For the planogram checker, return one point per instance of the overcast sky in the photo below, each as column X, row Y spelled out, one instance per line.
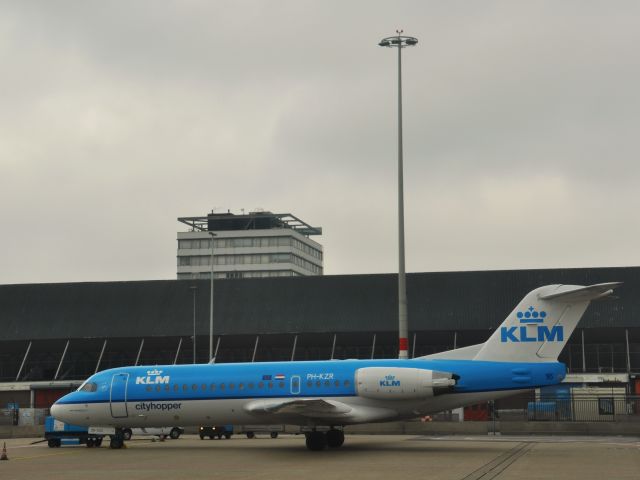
column 521, row 131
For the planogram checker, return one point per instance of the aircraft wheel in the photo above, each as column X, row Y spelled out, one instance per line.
column 54, row 442
column 116, row 442
column 98, row 442
column 316, row 441
column 90, row 443
column 126, row 434
column 335, row 438
column 250, row 434
column 274, row 434
column 175, row 433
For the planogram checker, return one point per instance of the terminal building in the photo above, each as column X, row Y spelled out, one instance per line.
column 53, row 336
column 253, row 245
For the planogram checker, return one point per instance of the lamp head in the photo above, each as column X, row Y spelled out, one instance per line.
column 399, row 41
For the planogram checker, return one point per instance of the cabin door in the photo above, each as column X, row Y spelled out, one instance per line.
column 118, row 395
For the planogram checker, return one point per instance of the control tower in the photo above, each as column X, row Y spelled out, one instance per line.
column 257, row 244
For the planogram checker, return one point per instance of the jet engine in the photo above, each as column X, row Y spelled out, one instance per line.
column 393, row 383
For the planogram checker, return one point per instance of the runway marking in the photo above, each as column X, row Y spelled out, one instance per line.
column 632, row 441
column 499, row 464
column 43, row 455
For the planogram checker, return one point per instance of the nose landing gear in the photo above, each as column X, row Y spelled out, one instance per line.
column 317, row 441
column 117, row 440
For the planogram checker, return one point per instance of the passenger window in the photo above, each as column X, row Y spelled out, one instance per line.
column 213, row 387
column 318, row 383
column 281, row 384
column 158, row 388
column 346, row 383
column 270, row 384
column 167, row 388
column 309, row 384
column 250, row 385
column 222, row 386
column 261, row 385
column 184, row 387
column 337, row 383
column 240, row 386
column 194, row 387
column 231, row 385
column 176, row 387
column 327, row 383
column 149, row 388
column 203, row 386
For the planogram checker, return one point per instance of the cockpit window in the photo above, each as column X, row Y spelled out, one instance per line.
column 88, row 387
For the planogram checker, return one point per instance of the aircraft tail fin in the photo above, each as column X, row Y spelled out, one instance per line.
column 541, row 324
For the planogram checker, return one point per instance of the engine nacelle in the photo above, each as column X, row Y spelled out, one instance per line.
column 389, row 383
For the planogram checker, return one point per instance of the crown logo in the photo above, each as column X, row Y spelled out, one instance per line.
column 154, row 372
column 531, row 315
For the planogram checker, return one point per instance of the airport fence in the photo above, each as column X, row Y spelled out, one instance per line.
column 8, row 416
column 23, row 416
column 574, row 409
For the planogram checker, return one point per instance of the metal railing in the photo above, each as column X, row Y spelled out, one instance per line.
column 612, row 408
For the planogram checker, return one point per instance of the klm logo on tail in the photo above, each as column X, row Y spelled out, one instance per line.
column 526, row 333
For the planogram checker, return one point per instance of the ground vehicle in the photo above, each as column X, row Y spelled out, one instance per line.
column 252, row 430
column 57, row 432
column 163, row 432
column 216, row 431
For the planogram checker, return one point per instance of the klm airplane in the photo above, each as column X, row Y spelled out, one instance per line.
column 327, row 395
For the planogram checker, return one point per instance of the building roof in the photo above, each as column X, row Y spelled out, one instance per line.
column 342, row 303
column 250, row 221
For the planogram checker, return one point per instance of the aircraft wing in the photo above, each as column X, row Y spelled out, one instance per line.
column 325, row 409
column 306, row 407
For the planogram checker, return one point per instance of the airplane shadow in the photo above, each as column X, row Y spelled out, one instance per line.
column 352, row 446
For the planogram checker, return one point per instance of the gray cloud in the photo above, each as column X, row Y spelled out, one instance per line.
column 520, row 131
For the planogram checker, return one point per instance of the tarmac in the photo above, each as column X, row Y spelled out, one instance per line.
column 361, row 457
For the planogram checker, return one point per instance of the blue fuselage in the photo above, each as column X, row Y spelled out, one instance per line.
column 295, row 379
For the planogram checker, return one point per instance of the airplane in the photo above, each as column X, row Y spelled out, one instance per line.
column 521, row 354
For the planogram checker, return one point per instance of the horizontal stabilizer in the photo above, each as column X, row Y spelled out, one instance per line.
column 592, row 292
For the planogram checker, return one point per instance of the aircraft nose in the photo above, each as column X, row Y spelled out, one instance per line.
column 60, row 411
column 56, row 410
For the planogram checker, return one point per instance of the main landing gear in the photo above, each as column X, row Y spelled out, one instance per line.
column 316, row 440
